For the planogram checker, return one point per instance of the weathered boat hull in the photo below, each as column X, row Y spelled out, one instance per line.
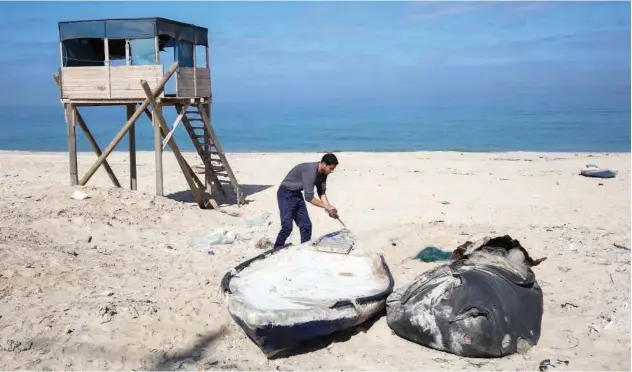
column 321, row 293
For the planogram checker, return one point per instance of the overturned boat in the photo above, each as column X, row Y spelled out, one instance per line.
column 295, row 293
column 485, row 303
column 591, row 170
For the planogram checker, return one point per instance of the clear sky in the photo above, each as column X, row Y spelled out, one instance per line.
column 313, row 51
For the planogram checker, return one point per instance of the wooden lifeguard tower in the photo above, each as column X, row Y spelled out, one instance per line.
column 116, row 62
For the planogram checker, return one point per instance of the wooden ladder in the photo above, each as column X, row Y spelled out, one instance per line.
column 216, row 168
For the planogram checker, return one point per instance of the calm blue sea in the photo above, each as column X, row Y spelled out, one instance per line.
column 529, row 123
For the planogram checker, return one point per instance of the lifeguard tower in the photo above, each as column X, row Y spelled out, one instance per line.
column 116, row 62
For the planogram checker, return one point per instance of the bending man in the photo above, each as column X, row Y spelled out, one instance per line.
column 304, row 177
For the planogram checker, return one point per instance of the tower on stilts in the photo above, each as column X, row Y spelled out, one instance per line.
column 116, row 62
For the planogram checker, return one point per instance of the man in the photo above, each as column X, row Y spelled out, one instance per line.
column 304, row 177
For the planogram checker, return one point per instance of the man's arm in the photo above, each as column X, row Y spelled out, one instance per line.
column 324, row 199
column 308, row 189
column 333, row 212
column 319, row 203
column 321, row 187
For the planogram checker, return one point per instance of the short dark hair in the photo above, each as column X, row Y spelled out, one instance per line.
column 329, row 159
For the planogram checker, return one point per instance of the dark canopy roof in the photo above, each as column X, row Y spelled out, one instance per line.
column 132, row 28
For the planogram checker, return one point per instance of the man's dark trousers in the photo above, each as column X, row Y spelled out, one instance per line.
column 292, row 208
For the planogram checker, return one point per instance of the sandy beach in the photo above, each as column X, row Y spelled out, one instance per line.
column 122, row 280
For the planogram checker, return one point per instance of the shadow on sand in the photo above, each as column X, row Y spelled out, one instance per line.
column 191, row 355
column 186, row 196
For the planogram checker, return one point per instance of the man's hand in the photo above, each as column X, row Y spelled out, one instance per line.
column 324, row 203
column 332, row 211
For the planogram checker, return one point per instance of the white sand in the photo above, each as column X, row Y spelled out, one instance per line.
column 115, row 282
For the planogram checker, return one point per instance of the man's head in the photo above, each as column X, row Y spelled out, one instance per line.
column 328, row 163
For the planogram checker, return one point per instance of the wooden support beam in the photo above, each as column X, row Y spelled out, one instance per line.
column 157, row 90
column 72, row 143
column 157, row 113
column 106, row 53
column 90, row 138
column 128, row 59
column 161, row 124
column 157, row 49
column 133, row 179
column 61, row 53
column 207, row 148
column 194, row 70
column 174, row 126
column 189, row 169
column 95, row 147
column 148, row 114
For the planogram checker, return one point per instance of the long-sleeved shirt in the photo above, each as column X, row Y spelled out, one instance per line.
column 305, row 177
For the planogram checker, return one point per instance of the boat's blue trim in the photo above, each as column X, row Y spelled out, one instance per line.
column 273, row 338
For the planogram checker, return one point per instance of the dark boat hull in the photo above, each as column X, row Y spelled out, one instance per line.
column 276, row 330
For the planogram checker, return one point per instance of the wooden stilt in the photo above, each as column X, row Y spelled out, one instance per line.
column 207, row 148
column 207, row 139
column 156, row 113
column 133, row 181
column 184, row 164
column 90, row 138
column 159, row 122
column 72, row 143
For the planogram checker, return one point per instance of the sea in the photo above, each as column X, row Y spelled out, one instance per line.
column 546, row 123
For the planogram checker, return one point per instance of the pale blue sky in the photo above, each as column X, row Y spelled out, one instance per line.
column 300, row 52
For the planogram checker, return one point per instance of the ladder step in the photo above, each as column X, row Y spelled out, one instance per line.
column 219, row 167
column 208, row 157
column 215, row 164
column 195, row 119
column 216, row 170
